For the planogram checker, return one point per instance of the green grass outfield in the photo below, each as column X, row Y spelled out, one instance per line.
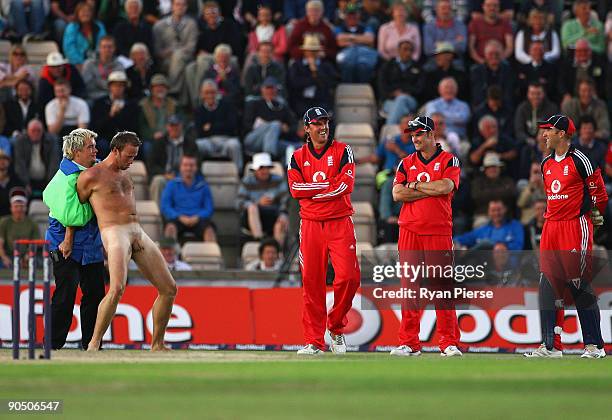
column 239, row 385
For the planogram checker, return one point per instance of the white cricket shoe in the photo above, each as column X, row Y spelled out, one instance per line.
column 338, row 343
column 451, row 351
column 404, row 351
column 310, row 350
column 592, row 352
column 542, row 351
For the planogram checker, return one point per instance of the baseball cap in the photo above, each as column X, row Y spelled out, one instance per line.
column 18, row 195
column 174, row 119
column 351, row 8
column 315, row 114
column 560, row 122
column 444, row 47
column 420, row 124
column 261, row 160
column 117, row 76
column 270, row 81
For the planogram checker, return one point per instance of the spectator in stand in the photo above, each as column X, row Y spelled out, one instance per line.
column 83, row 35
column 262, row 200
column 442, row 66
column 96, row 70
column 537, row 30
column 20, row 109
column 311, row 80
column 65, row 112
column 260, row 67
column 294, row 10
column 449, row 140
column 187, row 204
column 495, row 106
column 492, row 26
column 498, row 229
column 532, row 153
column 391, row 150
column 533, row 229
column 250, row 11
column 169, row 250
column 269, row 257
column 530, row 193
column 582, row 66
column 445, row 28
column 216, row 123
column 26, row 17
column 266, row 31
column 132, row 29
column 535, row 108
column 57, row 67
column 459, row 8
column 164, row 159
column 456, row 112
column 587, row 143
column 62, row 13
column 392, row 33
column 8, row 182
column 491, row 185
column 16, row 226
column 493, row 71
column 537, row 71
column 584, row 26
column 225, row 75
column 268, row 121
column 400, row 82
column 587, row 103
column 15, row 70
column 490, row 139
column 155, row 109
column 36, row 158
column 175, row 38
column 550, row 8
column 215, row 30
column 356, row 59
column 140, row 73
column 312, row 25
column 373, row 13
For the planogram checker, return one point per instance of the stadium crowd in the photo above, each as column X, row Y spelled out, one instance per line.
column 204, row 81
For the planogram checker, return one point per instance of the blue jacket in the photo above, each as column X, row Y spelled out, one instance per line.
column 75, row 45
column 510, row 233
column 179, row 199
column 87, row 244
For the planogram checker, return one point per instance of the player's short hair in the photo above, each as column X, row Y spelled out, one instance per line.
column 75, row 141
column 123, row 138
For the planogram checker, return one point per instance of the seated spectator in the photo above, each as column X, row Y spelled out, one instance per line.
column 140, row 73
column 586, row 142
column 215, row 30
column 20, row 109
column 538, row 71
column 584, row 26
column 491, row 27
column 225, row 75
column 311, row 79
column 268, row 121
column 216, row 124
column 155, row 109
column 442, row 66
column 261, row 66
column 532, row 153
column 537, row 30
column 400, row 84
column 269, row 257
column 505, row 9
column 164, row 159
column 498, row 229
column 533, row 229
column 312, row 25
column 262, row 199
column 392, row 33
column 62, row 13
column 293, row 10
column 15, row 70
column 582, row 66
column 456, row 112
column 444, row 28
column 532, row 192
column 389, row 211
column 113, row 112
column 373, row 13
column 58, row 68
column 132, row 29
column 175, row 38
column 96, row 70
column 494, row 106
column 492, row 185
column 169, row 250
column 356, row 59
column 449, row 140
column 250, row 11
column 26, row 17
column 15, row 226
column 266, row 31
column 490, row 139
column 82, row 36
column 187, row 204
column 8, row 182
column 587, row 103
column 493, row 71
column 65, row 112
column 390, row 151
column 548, row 7
column 36, row 158
column 535, row 108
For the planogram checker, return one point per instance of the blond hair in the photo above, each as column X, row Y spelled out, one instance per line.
column 75, row 141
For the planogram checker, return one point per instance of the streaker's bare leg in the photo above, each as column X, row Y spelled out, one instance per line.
column 117, row 244
column 153, row 266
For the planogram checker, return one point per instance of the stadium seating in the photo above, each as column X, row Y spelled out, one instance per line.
column 138, row 172
column 150, row 218
column 388, row 131
column 249, row 252
column 365, row 222
column 222, row 178
column 355, row 103
column 37, row 51
column 5, row 47
column 359, row 136
column 202, row 255
column 39, row 213
column 362, row 247
column 365, row 184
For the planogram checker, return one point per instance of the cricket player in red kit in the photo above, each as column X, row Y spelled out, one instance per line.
column 321, row 176
column 576, row 197
column 425, row 182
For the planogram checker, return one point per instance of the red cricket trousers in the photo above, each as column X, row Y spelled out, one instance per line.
column 411, row 248
column 320, row 240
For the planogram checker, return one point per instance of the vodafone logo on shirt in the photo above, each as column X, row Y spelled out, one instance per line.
column 423, row 177
column 318, row 176
column 555, row 187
